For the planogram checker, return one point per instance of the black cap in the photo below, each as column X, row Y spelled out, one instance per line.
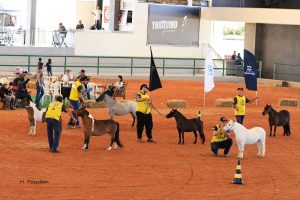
column 83, row 71
column 240, row 88
column 223, row 119
column 143, row 85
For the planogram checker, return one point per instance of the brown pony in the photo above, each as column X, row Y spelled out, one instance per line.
column 98, row 128
column 34, row 114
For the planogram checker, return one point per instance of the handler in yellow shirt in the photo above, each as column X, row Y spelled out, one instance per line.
column 76, row 98
column 220, row 139
column 53, row 120
column 143, row 114
column 239, row 104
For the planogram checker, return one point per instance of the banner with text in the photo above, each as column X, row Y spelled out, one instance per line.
column 173, row 25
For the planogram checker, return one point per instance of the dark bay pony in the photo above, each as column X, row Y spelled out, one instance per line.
column 34, row 114
column 281, row 118
column 92, row 127
column 187, row 125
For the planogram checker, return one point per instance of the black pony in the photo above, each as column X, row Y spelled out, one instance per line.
column 281, row 118
column 187, row 125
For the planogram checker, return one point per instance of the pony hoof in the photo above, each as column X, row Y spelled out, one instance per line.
column 109, row 148
column 84, row 147
column 115, row 146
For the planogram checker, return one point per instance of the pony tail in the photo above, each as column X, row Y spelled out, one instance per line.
column 117, row 136
column 201, row 132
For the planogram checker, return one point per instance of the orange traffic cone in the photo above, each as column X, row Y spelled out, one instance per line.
column 238, row 174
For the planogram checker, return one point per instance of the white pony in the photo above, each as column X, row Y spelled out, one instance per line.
column 34, row 115
column 118, row 108
column 256, row 135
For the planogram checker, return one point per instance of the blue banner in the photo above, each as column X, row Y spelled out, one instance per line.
column 250, row 72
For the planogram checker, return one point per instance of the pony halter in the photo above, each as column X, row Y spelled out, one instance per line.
column 229, row 128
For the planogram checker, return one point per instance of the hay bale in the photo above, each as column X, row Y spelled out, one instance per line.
column 176, row 103
column 288, row 102
column 223, row 102
column 89, row 104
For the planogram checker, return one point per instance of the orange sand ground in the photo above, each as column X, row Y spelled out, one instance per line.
column 164, row 170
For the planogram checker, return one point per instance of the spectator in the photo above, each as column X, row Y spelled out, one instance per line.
column 233, row 55
column 62, row 28
column 39, row 85
column 85, row 81
column 6, row 97
column 120, row 83
column 40, row 60
column 67, row 77
column 97, row 13
column 80, row 26
column 49, row 67
column 238, row 59
column 93, row 27
column 62, row 31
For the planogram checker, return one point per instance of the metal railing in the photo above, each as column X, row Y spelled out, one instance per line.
column 103, row 64
column 38, row 37
column 99, row 65
column 288, row 72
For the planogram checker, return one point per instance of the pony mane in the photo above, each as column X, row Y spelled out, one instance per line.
column 238, row 124
column 179, row 113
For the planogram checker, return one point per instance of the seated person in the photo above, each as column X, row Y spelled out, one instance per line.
column 85, row 80
column 80, row 26
column 220, row 139
column 67, row 77
column 120, row 83
column 20, row 89
column 7, row 98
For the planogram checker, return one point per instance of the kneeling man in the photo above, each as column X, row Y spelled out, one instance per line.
column 220, row 139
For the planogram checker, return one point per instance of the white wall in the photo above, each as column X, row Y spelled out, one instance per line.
column 83, row 12
column 50, row 13
column 253, row 15
column 134, row 43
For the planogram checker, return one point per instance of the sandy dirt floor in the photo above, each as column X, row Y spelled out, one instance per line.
column 164, row 170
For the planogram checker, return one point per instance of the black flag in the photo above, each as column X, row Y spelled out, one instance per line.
column 250, row 72
column 154, row 82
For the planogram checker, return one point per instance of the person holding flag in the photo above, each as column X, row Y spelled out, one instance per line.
column 250, row 75
column 143, row 114
column 239, row 104
column 144, row 103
